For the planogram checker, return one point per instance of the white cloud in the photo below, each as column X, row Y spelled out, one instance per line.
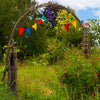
column 97, row 13
column 76, row 4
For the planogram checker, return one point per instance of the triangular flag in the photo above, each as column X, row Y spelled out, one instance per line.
column 49, row 12
column 82, row 21
column 43, row 17
column 21, row 30
column 87, row 24
column 35, row 26
column 28, row 30
column 67, row 26
column 39, row 22
column 74, row 23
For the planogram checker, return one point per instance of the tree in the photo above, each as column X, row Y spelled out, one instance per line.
column 94, row 31
column 10, row 12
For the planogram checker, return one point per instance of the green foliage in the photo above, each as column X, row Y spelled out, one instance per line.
column 6, row 94
column 10, row 13
column 94, row 31
column 74, row 36
column 81, row 74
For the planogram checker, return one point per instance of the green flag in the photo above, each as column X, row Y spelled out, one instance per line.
column 43, row 17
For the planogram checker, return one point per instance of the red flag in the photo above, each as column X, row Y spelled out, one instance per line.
column 39, row 22
column 87, row 24
column 21, row 30
column 67, row 26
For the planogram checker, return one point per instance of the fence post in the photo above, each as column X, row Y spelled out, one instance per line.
column 12, row 70
column 86, row 43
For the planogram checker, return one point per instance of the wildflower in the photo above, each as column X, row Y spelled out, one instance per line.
column 98, row 59
column 80, row 65
column 95, row 95
column 60, row 59
column 98, row 75
column 74, row 95
column 65, row 73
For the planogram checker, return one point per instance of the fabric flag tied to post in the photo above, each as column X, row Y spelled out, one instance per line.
column 39, row 22
column 35, row 26
column 28, row 30
column 43, row 17
column 74, row 23
column 67, row 26
column 49, row 12
column 21, row 30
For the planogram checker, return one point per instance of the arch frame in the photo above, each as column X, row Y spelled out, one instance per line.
column 40, row 6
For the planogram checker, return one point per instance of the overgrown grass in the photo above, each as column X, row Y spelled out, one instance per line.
column 37, row 81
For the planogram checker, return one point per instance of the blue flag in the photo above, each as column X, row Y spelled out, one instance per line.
column 49, row 12
column 82, row 21
column 28, row 30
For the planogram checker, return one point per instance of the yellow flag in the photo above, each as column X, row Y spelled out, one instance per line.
column 35, row 26
column 74, row 23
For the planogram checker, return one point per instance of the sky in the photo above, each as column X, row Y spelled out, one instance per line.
column 84, row 9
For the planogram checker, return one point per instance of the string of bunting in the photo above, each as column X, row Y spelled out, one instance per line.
column 50, row 17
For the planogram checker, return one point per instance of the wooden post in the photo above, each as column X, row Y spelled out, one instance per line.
column 12, row 70
column 86, row 43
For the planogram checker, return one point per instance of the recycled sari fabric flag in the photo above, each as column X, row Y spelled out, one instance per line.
column 67, row 26
column 39, row 22
column 21, row 30
column 49, row 12
column 28, row 30
column 74, row 23
column 35, row 26
column 43, row 17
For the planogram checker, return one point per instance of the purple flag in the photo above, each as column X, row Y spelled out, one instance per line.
column 49, row 12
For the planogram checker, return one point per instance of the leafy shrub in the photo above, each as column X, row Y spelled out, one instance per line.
column 81, row 75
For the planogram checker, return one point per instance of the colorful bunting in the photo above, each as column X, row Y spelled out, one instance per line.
column 21, row 30
column 35, row 26
column 39, row 22
column 49, row 12
column 28, row 30
column 74, row 23
column 87, row 24
column 67, row 26
column 43, row 17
